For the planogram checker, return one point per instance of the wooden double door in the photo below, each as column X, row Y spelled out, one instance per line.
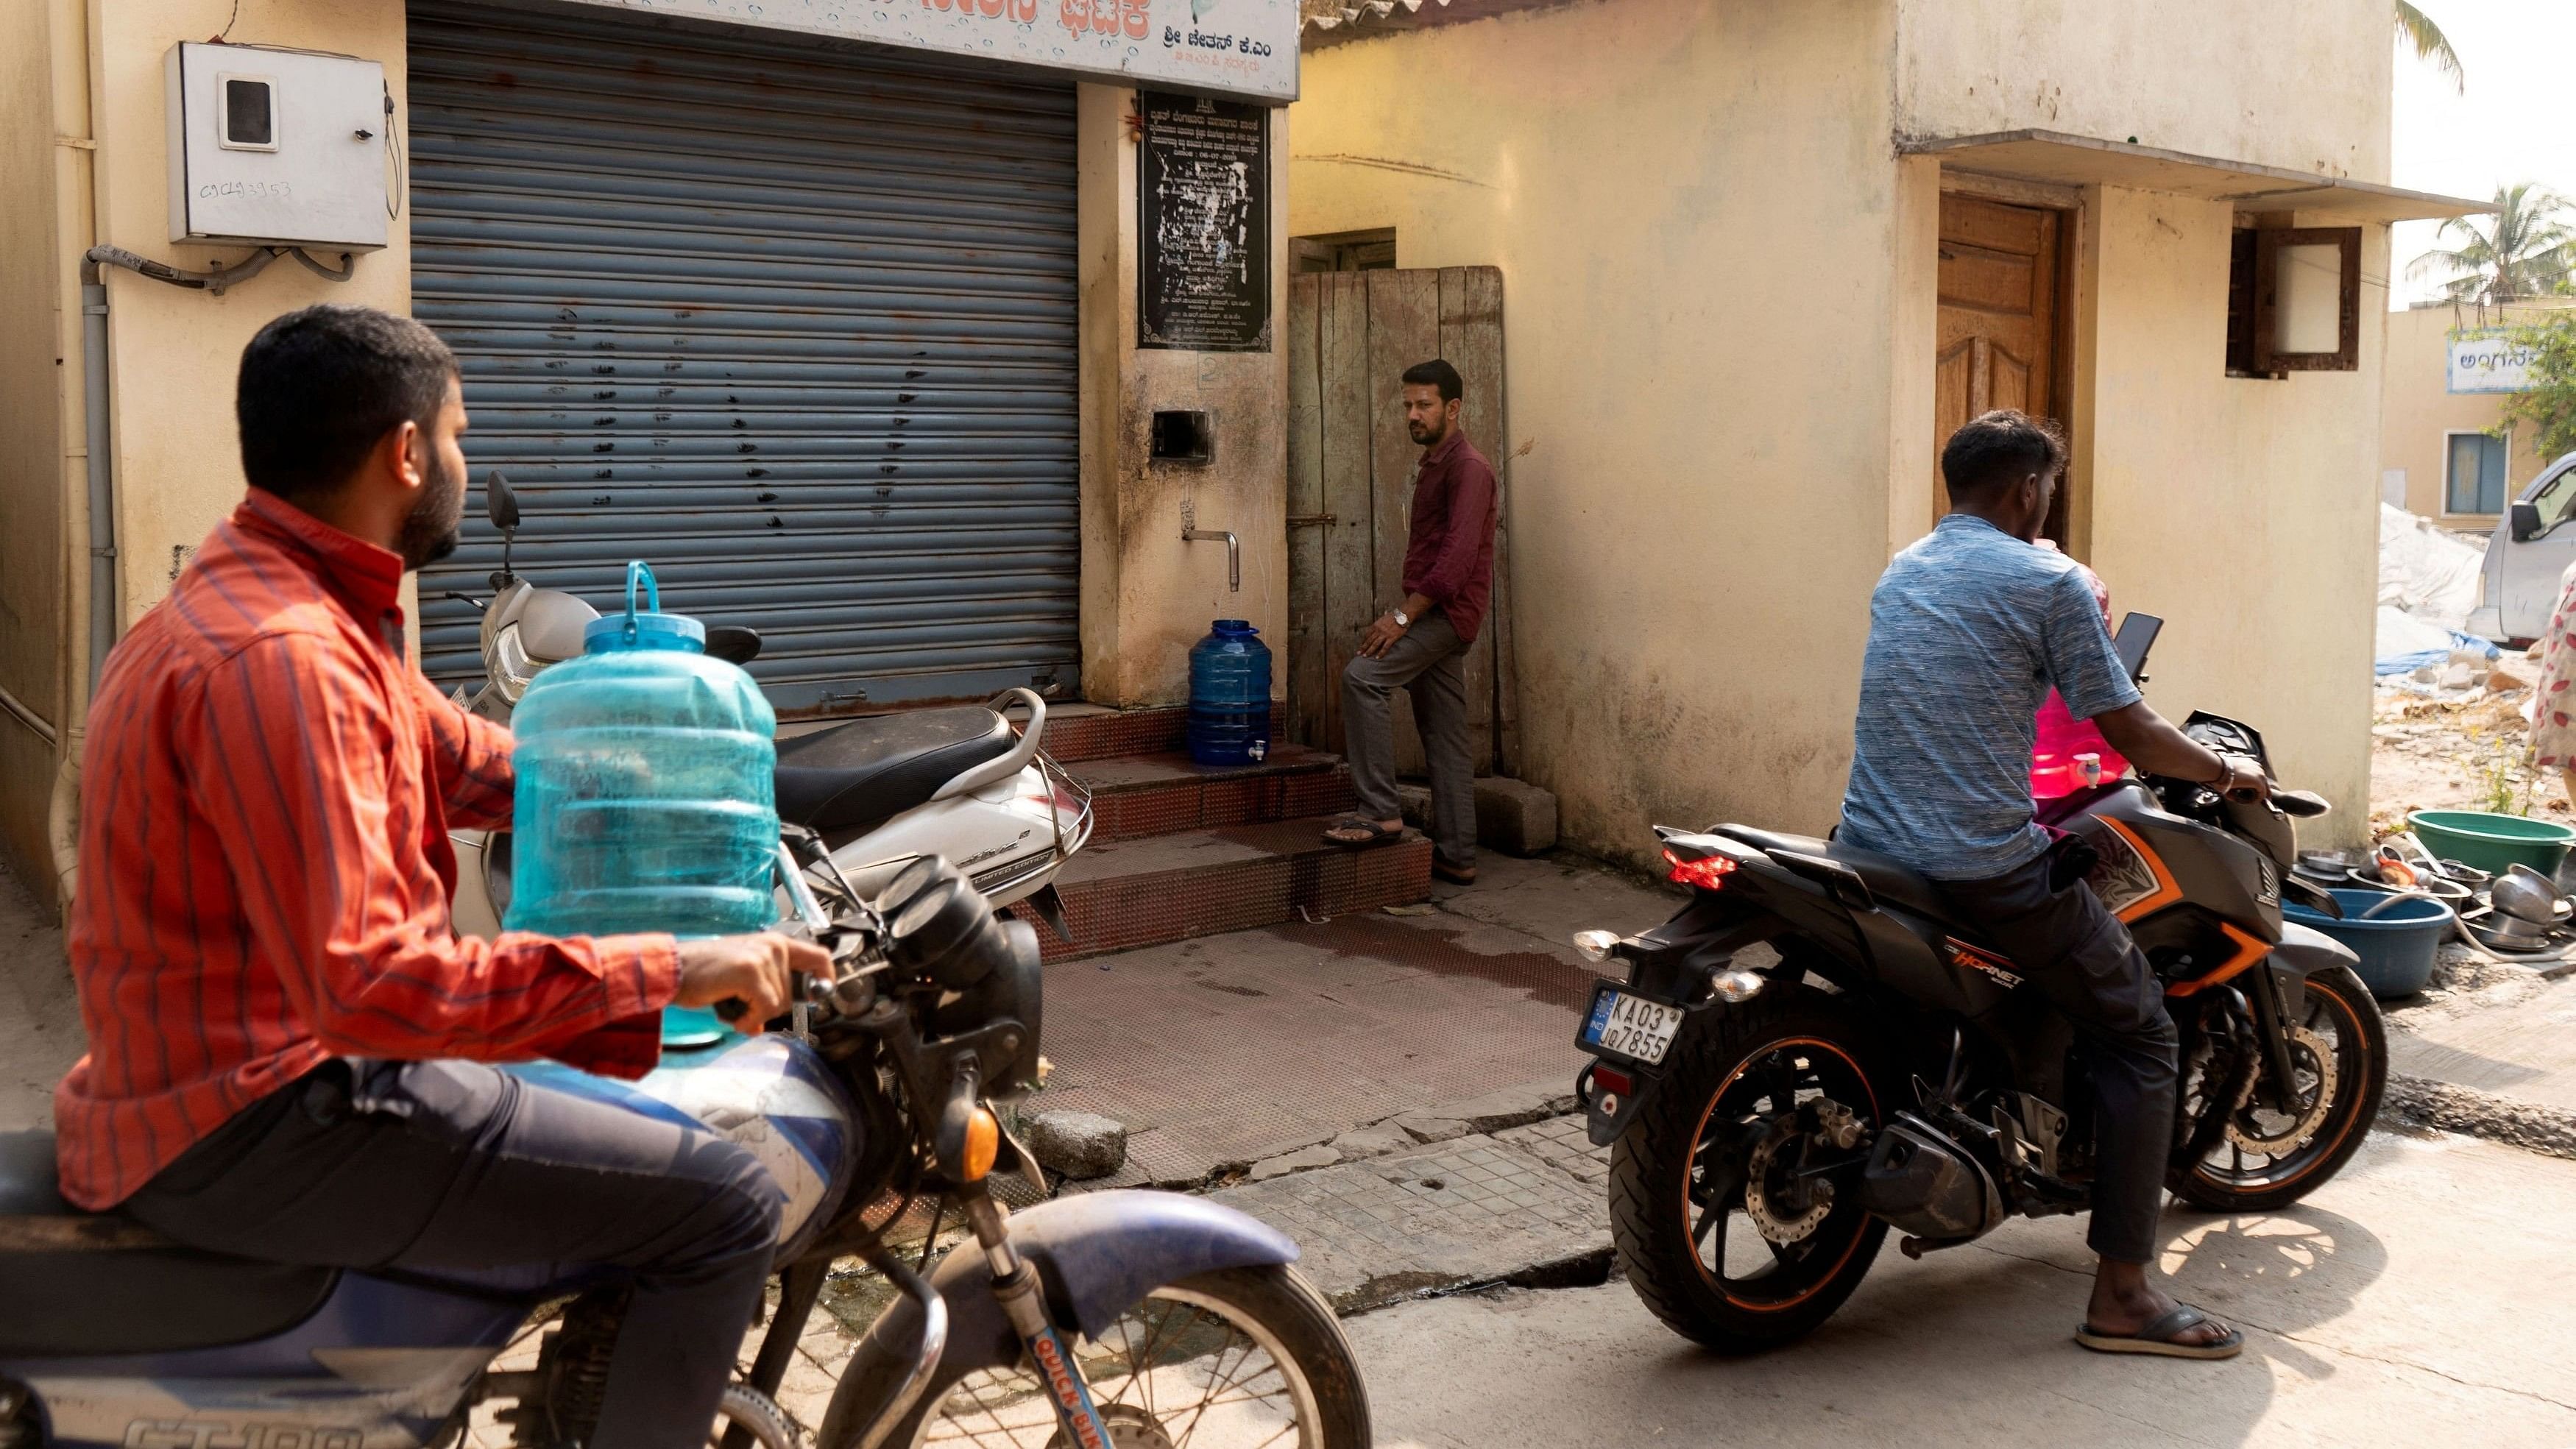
column 2003, row 301
column 1351, row 335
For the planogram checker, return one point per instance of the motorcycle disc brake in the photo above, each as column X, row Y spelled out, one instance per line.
column 2310, row 1055
column 1768, row 1219
column 1129, row 1428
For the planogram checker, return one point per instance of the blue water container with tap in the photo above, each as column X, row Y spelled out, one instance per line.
column 646, row 799
column 1230, row 695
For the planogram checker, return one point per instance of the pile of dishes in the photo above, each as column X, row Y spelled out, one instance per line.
column 2519, row 914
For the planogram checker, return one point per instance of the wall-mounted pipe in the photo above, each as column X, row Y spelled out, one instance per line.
column 1192, row 533
column 102, row 477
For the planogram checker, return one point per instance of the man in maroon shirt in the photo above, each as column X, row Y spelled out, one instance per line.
column 1421, row 645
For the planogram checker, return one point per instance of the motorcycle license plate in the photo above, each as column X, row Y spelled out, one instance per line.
column 1631, row 1026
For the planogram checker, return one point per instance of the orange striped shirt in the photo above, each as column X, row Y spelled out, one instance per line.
column 265, row 869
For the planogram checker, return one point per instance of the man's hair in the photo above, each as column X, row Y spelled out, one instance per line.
column 2003, row 446
column 321, row 387
column 1436, row 373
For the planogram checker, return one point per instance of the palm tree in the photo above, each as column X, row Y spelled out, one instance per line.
column 2417, row 29
column 2525, row 249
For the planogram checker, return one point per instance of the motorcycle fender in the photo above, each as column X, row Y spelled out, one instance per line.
column 2303, row 952
column 1099, row 1254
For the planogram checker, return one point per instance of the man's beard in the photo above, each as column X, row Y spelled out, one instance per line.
column 430, row 532
column 1427, row 433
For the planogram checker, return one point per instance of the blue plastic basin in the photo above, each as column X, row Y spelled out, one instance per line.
column 2396, row 946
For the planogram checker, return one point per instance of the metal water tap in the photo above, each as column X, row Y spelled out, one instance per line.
column 1192, row 533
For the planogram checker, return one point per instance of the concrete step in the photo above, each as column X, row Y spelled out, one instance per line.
column 1121, row 895
column 1155, row 794
column 1090, row 732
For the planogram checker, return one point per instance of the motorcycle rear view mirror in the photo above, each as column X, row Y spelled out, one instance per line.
column 502, row 507
column 2137, row 635
column 733, row 643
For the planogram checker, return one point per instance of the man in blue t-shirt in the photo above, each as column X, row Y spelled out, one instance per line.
column 1968, row 630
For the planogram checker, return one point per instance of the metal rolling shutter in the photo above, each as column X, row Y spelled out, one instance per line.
column 795, row 324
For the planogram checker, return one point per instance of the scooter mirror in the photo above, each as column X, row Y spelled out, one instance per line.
column 499, row 503
column 733, row 643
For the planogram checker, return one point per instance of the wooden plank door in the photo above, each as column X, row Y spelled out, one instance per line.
column 1350, row 482
column 2001, row 276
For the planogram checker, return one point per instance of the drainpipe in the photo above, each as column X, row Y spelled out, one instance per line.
column 102, row 477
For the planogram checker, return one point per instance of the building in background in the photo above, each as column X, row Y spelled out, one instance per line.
column 1756, row 260
column 2445, row 451
column 856, row 321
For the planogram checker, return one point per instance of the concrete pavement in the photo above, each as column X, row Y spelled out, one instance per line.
column 2424, row 1297
column 40, row 1027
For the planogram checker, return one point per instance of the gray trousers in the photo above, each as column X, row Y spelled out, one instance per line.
column 2081, row 956
column 1429, row 663
column 456, row 1168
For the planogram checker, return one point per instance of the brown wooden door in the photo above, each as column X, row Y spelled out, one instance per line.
column 1350, row 481
column 2000, row 307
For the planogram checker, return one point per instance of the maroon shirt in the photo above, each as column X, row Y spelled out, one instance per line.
column 1449, row 553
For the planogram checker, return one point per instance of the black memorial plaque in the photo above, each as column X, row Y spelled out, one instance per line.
column 1203, row 197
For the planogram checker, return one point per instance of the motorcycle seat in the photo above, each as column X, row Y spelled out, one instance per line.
column 97, row 1283
column 1889, row 879
column 856, row 775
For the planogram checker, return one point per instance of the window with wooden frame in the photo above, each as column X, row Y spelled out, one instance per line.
column 1350, row 251
column 2294, row 301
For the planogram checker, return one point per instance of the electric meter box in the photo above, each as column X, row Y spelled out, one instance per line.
column 276, row 147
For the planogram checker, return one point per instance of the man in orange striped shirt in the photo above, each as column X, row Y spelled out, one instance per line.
column 286, row 1034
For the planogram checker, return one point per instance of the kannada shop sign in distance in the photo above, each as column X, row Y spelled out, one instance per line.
column 1233, row 47
column 2489, row 362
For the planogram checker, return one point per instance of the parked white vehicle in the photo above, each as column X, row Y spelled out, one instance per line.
column 959, row 783
column 2533, row 545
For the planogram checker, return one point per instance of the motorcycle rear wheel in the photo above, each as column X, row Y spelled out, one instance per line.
column 1247, row 1356
column 2341, row 1012
column 1679, row 1212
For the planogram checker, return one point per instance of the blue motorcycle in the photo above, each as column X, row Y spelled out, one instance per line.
column 1109, row 1320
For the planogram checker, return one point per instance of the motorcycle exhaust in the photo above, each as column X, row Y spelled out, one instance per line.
column 1928, row 1187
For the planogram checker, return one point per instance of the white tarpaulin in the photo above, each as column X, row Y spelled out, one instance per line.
column 2427, row 571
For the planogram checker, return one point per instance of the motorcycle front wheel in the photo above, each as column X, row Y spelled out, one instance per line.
column 1227, row 1360
column 1735, row 1222
column 2269, row 1157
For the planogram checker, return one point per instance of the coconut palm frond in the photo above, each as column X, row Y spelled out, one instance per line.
column 2417, row 30
column 2526, row 247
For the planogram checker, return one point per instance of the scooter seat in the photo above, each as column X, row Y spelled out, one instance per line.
column 120, row 1292
column 1889, row 879
column 857, row 775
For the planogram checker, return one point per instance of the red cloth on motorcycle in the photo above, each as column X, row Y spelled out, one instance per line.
column 2060, row 736
column 265, row 869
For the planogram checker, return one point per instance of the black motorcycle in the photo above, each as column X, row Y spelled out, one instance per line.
column 1815, row 1049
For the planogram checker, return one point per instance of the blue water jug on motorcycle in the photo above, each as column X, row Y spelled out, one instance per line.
column 645, row 794
column 1106, row 1318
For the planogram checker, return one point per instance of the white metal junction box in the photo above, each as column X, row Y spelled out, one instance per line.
column 276, row 147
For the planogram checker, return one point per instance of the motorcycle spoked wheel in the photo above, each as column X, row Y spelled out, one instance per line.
column 1240, row 1356
column 1679, row 1175
column 2341, row 1016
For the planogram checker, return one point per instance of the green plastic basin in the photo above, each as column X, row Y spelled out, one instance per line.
column 2492, row 843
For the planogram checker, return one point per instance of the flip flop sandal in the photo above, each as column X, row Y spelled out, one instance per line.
column 1377, row 834
column 2159, row 1338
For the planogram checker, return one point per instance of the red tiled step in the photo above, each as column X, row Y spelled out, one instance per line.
column 1125, row 894
column 1134, row 796
column 1087, row 732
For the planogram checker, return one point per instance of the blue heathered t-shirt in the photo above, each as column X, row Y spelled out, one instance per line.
column 1968, row 629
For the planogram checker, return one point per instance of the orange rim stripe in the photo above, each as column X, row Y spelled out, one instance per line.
column 1848, row 1249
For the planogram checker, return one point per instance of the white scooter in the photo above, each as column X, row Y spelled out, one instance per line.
column 959, row 783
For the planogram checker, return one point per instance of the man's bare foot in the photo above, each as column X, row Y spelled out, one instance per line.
column 1360, row 830
column 2124, row 1301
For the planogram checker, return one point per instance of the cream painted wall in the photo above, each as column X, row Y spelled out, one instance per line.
column 2241, row 511
column 2417, row 410
column 174, row 351
column 1146, row 595
column 1697, row 220
column 2301, row 84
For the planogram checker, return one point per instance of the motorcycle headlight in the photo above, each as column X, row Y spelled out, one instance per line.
column 512, row 668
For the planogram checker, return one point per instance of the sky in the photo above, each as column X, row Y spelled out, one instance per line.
column 2516, row 122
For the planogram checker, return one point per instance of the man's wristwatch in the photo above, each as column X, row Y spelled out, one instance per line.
column 1402, row 619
